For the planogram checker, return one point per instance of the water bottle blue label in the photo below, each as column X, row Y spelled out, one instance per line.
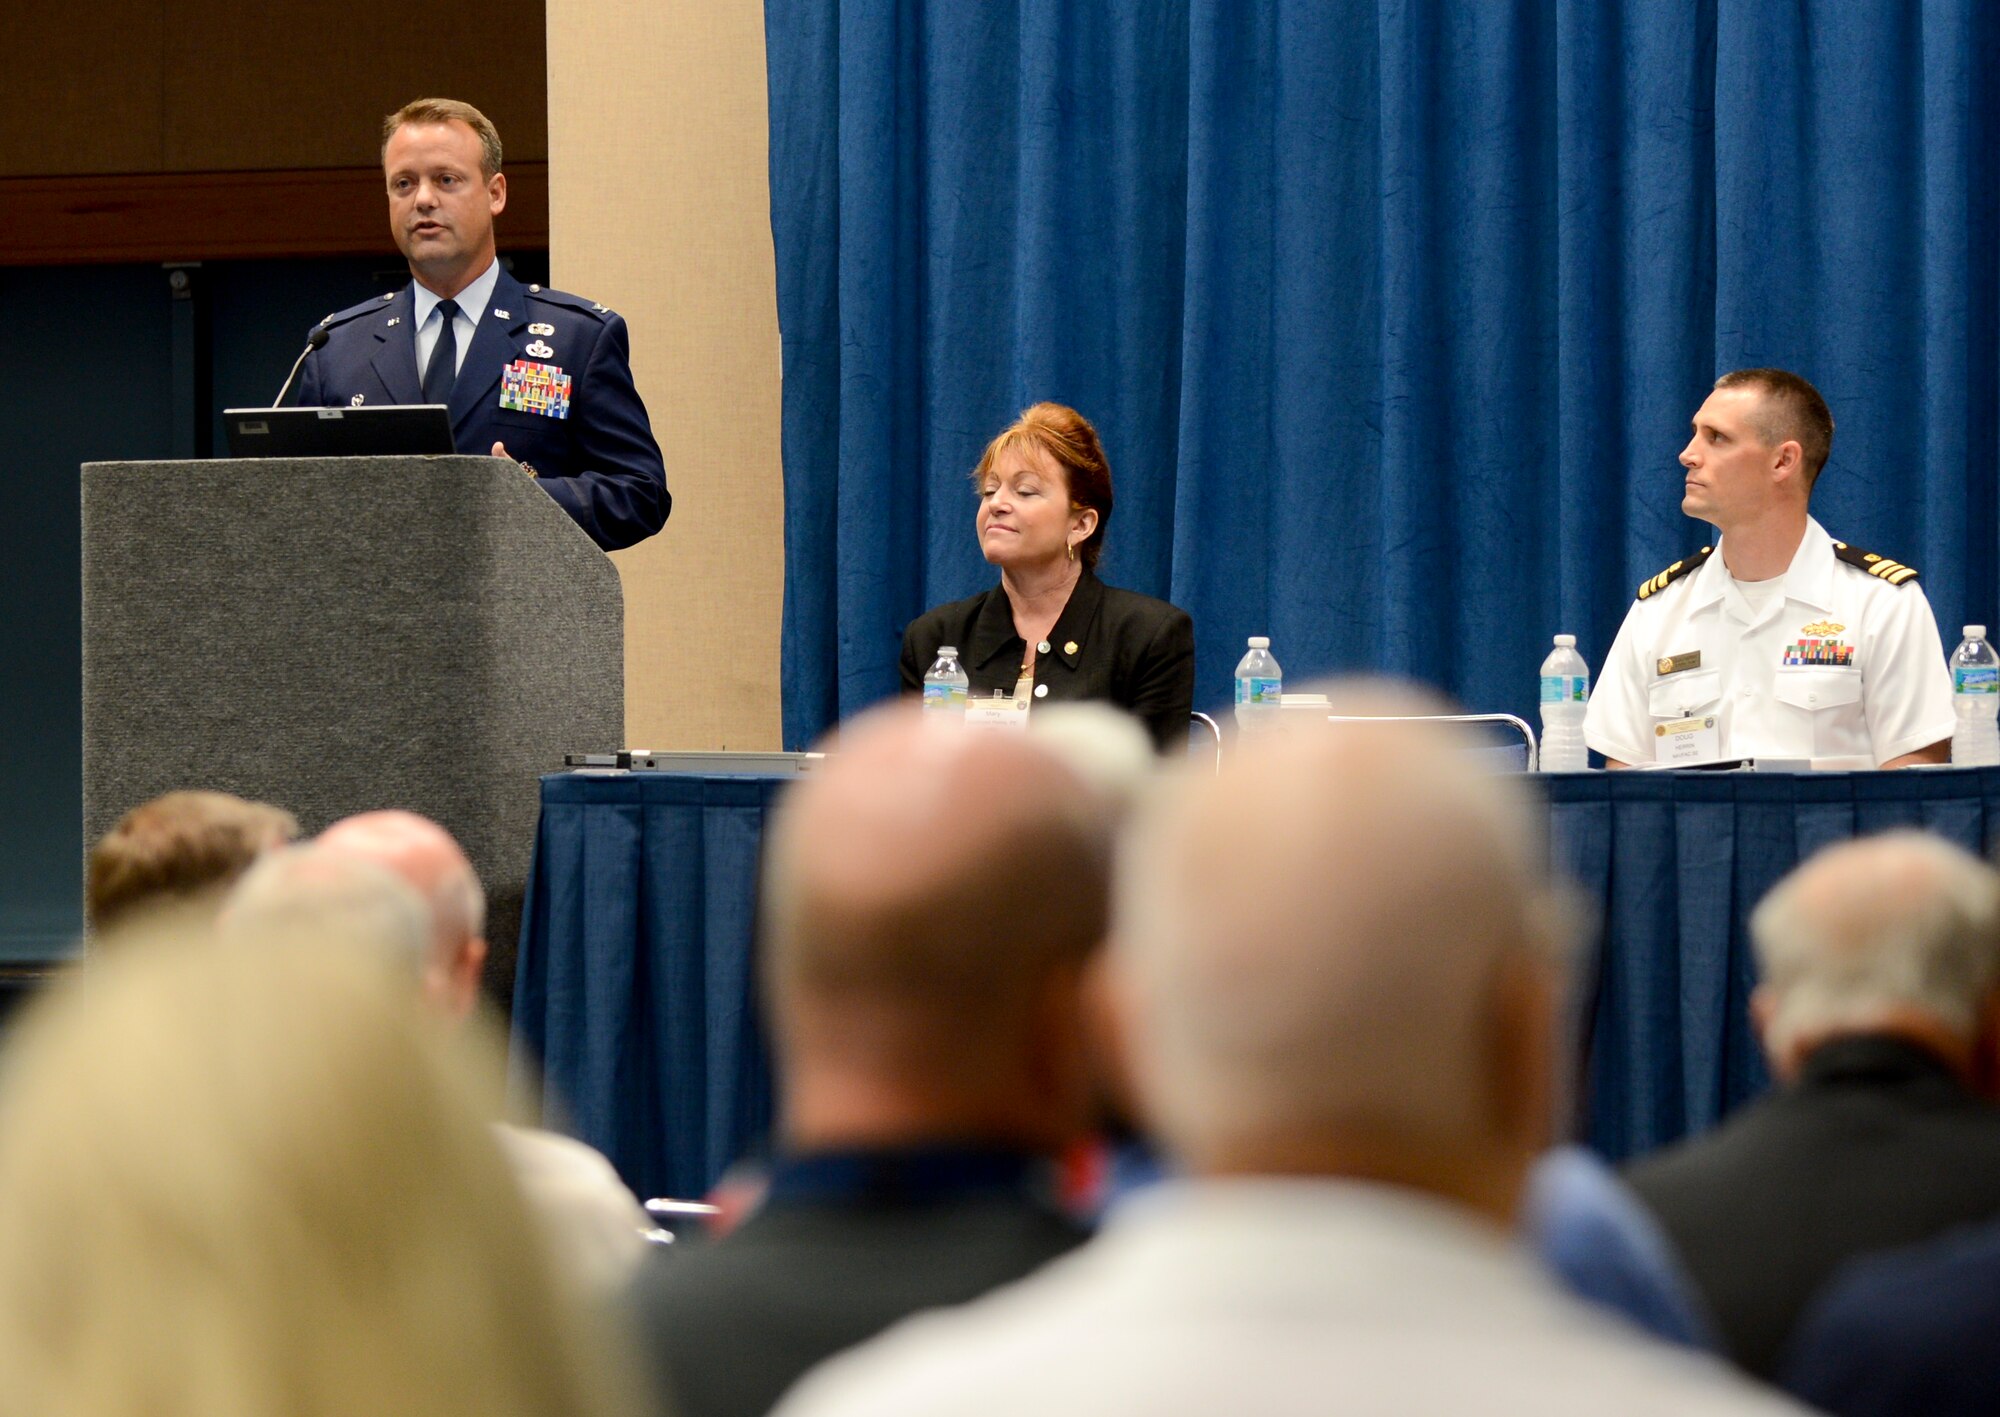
column 944, row 696
column 1259, row 691
column 1975, row 679
column 1565, row 688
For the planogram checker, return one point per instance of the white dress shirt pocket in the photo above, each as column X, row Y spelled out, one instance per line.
column 1816, row 688
column 1684, row 695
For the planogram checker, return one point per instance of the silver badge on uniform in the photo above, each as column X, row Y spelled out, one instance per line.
column 541, row 328
column 538, row 350
column 355, row 402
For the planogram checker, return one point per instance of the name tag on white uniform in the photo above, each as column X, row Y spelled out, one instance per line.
column 1686, row 741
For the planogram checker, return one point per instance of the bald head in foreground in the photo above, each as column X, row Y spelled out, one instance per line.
column 396, row 881
column 427, row 857
column 931, row 901
column 1879, row 1011
column 1338, row 965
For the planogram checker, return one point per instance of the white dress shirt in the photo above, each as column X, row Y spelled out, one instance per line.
column 1272, row 1298
column 1881, row 690
column 593, row 1223
column 472, row 302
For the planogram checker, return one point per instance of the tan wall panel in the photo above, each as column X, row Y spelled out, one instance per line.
column 84, row 87
column 659, row 205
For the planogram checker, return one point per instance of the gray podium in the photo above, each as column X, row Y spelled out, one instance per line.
column 335, row 635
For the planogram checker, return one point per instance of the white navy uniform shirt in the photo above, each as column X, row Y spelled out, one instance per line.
column 1871, row 680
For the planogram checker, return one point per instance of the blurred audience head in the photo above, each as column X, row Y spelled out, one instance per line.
column 426, row 856
column 177, row 855
column 1105, row 746
column 248, row 1179
column 1894, row 934
column 931, row 900
column 1340, row 957
column 311, row 895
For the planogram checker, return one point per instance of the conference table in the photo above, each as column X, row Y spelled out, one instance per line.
column 636, row 1017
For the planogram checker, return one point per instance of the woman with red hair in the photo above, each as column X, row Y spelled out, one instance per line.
column 1051, row 632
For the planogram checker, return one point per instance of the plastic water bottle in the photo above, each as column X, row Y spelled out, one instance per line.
column 946, row 687
column 1260, row 688
column 1565, row 689
column 1975, row 696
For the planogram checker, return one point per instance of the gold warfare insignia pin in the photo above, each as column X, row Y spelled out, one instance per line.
column 1674, row 664
column 1822, row 627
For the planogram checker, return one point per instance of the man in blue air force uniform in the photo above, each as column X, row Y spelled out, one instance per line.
column 535, row 375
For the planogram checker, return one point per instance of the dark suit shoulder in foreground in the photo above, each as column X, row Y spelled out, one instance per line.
column 734, row 1324
column 1877, row 1145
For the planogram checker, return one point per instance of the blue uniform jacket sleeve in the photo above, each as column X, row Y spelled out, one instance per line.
column 618, row 492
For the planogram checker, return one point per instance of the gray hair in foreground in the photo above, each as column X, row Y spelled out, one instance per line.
column 315, row 895
column 1905, row 920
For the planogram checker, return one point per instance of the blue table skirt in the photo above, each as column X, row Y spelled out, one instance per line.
column 636, row 991
column 635, row 985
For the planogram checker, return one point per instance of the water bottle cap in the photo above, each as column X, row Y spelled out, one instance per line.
column 1974, row 632
column 1260, row 642
column 944, row 650
column 1565, row 641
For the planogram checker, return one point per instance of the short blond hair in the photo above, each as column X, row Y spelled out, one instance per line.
column 179, row 847
column 448, row 110
column 239, row 1177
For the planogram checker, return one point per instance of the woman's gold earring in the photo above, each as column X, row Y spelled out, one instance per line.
column 1072, row 550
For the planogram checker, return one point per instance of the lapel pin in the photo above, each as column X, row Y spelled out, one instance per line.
column 395, row 319
column 1070, row 648
column 502, row 315
column 355, row 402
column 600, row 305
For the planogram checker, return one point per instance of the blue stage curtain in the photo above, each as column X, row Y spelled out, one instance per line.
column 1392, row 314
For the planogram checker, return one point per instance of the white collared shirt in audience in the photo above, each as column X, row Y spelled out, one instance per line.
column 1277, row 1297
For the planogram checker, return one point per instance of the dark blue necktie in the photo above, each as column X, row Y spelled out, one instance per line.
column 443, row 368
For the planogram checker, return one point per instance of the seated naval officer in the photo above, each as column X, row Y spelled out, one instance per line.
column 1777, row 641
column 536, row 375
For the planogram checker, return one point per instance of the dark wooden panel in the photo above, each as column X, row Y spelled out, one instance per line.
column 84, row 87
column 212, row 216
column 117, row 86
column 250, row 84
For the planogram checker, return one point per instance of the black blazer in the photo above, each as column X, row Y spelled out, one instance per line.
column 1112, row 645
column 730, row 1326
column 1877, row 1144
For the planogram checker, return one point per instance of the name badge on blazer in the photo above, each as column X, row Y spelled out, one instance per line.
column 528, row 387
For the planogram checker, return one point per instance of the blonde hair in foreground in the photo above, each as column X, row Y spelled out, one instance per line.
column 254, row 1180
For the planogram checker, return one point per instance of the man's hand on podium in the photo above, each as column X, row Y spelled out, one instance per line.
column 500, row 451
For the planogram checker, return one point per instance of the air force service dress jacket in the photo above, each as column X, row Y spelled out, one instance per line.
column 587, row 441
column 1843, row 660
column 1112, row 645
